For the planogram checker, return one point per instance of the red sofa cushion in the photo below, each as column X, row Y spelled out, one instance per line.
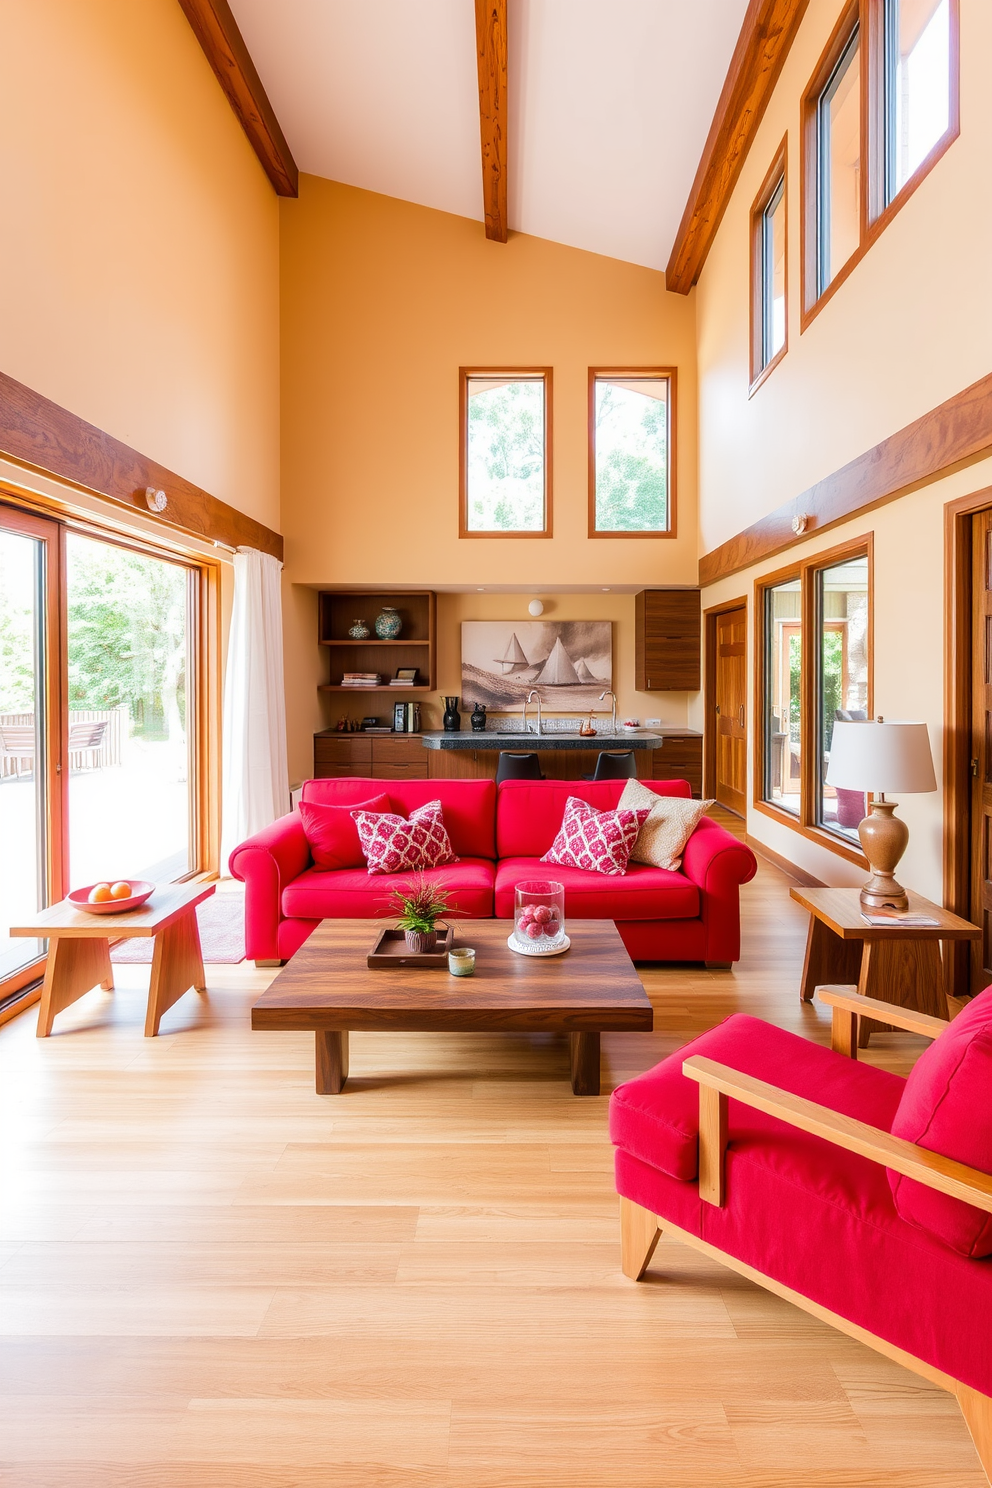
column 946, row 1108
column 392, row 844
column 642, row 893
column 529, row 812
column 469, row 806
column 351, row 893
column 656, row 1115
column 332, row 833
column 600, row 841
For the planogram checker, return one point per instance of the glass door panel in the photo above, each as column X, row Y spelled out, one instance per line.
column 129, row 731
column 23, row 743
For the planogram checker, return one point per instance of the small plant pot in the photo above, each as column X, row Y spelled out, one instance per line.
column 420, row 942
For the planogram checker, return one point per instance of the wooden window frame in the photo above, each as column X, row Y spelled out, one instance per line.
column 35, row 517
column 806, row 571
column 529, row 373
column 875, row 211
column 670, row 374
column 777, row 172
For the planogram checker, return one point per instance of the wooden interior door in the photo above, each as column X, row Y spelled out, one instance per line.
column 730, row 699
column 981, row 748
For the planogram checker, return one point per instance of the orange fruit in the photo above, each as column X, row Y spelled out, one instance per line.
column 120, row 890
column 100, row 893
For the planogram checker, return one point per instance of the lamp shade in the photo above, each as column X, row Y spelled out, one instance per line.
column 881, row 757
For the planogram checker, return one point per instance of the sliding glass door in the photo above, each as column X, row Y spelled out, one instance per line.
column 29, row 852
column 100, row 748
column 131, row 772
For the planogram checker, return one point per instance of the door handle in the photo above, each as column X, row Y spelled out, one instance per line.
column 741, row 716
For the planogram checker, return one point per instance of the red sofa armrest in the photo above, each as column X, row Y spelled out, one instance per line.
column 718, row 863
column 265, row 864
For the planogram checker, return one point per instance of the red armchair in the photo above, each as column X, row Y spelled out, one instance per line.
column 861, row 1197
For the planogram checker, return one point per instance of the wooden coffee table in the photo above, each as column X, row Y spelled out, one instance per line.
column 79, row 950
column 327, row 986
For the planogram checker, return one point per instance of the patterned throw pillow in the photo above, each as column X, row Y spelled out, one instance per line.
column 600, row 841
column 391, row 843
column 671, row 823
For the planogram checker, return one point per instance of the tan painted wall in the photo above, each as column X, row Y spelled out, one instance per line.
column 139, row 259
column 909, row 328
column 382, row 302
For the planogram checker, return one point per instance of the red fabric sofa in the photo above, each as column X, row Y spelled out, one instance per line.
column 499, row 834
column 845, row 1218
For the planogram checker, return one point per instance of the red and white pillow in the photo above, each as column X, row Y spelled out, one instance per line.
column 392, row 844
column 600, row 841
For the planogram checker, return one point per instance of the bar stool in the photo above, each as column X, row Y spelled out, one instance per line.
column 518, row 767
column 615, row 767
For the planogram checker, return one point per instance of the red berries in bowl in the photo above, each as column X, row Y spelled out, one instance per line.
column 536, row 920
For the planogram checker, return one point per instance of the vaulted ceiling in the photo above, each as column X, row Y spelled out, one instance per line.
column 610, row 102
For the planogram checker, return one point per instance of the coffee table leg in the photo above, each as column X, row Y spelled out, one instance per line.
column 584, row 1048
column 73, row 968
column 177, row 965
column 332, row 1060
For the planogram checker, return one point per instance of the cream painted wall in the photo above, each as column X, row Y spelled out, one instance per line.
column 382, row 302
column 911, row 326
column 139, row 281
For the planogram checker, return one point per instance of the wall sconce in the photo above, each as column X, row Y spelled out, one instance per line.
column 799, row 523
column 536, row 607
column 156, row 501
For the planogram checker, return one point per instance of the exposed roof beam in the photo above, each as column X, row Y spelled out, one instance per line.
column 224, row 47
column 490, row 38
column 767, row 33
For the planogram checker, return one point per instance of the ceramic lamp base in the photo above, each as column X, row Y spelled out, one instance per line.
column 883, row 840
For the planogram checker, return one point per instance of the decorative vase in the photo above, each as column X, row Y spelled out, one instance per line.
column 452, row 720
column 388, row 623
column 479, row 718
column 419, row 941
column 539, row 918
column 359, row 631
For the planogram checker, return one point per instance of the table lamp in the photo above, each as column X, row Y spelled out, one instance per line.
column 880, row 757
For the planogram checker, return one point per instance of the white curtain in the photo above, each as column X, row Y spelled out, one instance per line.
column 256, row 775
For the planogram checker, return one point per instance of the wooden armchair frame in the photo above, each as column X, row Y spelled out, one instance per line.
column 640, row 1230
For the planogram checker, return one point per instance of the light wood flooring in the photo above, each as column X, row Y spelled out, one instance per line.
column 211, row 1277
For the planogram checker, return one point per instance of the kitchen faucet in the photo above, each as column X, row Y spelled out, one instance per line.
column 609, row 693
column 533, row 694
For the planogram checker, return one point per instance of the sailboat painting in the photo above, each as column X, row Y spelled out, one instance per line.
column 568, row 663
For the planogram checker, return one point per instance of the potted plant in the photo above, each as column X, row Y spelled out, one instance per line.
column 419, row 904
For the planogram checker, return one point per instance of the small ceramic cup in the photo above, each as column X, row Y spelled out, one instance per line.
column 461, row 961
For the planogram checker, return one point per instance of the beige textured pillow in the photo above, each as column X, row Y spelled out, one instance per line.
column 672, row 822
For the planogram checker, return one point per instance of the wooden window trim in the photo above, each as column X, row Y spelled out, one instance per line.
column 805, row 571
column 671, row 374
column 875, row 213
column 464, row 373
column 777, row 171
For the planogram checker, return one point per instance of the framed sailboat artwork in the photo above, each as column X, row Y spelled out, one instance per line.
column 568, row 663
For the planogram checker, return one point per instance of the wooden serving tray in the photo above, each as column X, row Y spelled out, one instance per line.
column 390, row 950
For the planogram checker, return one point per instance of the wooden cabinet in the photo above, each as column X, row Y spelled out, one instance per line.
column 667, row 640
column 380, row 756
column 681, row 758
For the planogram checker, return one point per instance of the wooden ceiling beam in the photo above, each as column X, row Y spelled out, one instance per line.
column 490, row 37
column 224, row 47
column 767, row 33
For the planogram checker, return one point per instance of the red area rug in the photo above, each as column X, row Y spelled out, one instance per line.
column 222, row 933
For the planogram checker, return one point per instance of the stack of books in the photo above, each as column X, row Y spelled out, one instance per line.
column 361, row 679
column 402, row 682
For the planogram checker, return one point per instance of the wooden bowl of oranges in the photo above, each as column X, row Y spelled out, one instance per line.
column 112, row 897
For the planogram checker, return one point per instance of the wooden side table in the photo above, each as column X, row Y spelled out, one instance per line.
column 897, row 963
column 79, row 950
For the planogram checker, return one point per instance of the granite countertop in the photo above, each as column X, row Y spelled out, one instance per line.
column 492, row 739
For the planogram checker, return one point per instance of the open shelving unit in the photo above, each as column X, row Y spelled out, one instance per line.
column 337, row 609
